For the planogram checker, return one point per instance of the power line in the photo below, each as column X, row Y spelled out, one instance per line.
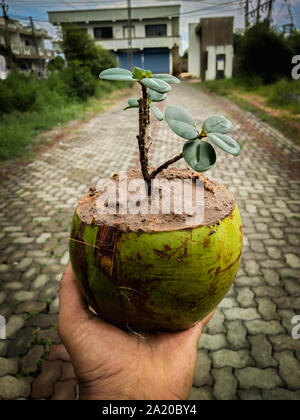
column 71, row 4
column 227, row 3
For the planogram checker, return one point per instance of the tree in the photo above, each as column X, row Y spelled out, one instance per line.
column 79, row 46
column 57, row 63
column 186, row 54
column 264, row 53
column 294, row 41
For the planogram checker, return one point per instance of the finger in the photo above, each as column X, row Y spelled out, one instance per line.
column 72, row 307
column 196, row 330
column 206, row 320
column 73, row 310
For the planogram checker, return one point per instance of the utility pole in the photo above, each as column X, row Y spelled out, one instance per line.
column 36, row 46
column 269, row 17
column 7, row 39
column 258, row 11
column 247, row 14
column 130, row 53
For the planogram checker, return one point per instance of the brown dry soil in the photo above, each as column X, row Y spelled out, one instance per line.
column 218, row 203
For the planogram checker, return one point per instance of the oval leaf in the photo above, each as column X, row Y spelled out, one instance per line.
column 181, row 122
column 133, row 102
column 172, row 80
column 199, row 155
column 138, row 73
column 159, row 115
column 157, row 85
column 117, row 74
column 217, row 124
column 129, row 107
column 225, row 143
column 155, row 96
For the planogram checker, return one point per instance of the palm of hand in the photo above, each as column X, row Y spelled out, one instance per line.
column 112, row 364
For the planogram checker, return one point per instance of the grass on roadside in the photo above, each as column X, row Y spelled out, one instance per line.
column 19, row 130
column 278, row 104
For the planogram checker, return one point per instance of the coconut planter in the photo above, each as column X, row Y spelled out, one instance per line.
column 155, row 274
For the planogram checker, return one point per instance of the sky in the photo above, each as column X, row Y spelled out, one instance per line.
column 191, row 11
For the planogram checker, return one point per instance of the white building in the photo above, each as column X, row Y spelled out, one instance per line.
column 28, row 50
column 211, row 48
column 155, row 33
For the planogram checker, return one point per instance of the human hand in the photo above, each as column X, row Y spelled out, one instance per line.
column 111, row 364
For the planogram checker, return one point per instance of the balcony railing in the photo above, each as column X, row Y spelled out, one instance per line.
column 30, row 51
column 15, row 48
column 140, row 43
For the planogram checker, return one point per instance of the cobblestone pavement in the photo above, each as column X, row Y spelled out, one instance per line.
column 247, row 351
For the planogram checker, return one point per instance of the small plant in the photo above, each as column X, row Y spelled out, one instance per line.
column 30, row 315
column 198, row 154
column 151, row 269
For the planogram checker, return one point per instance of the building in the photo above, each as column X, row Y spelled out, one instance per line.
column 27, row 47
column 154, row 33
column 211, row 48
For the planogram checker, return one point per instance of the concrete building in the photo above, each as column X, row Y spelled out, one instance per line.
column 154, row 32
column 28, row 50
column 211, row 48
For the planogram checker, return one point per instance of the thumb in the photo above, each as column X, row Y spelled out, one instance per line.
column 72, row 307
column 196, row 330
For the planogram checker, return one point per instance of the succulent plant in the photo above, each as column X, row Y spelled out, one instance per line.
column 160, row 277
column 198, row 153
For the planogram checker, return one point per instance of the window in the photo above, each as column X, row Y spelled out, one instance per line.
column 103, row 33
column 126, row 30
column 206, row 60
column 156, row 30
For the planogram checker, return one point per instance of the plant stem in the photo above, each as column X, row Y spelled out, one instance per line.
column 165, row 165
column 144, row 141
column 144, row 121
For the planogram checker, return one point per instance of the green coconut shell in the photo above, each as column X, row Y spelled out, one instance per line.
column 156, row 281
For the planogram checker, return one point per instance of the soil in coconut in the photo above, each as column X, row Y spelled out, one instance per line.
column 218, row 204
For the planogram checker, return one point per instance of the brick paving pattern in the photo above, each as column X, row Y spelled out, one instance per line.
column 246, row 351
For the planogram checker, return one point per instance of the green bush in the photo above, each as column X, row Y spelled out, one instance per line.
column 79, row 81
column 6, row 95
column 23, row 93
column 18, row 92
column 79, row 46
column 265, row 53
column 57, row 63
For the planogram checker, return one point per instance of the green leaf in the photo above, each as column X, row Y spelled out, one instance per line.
column 117, row 74
column 129, row 107
column 157, row 85
column 132, row 103
column 138, row 73
column 181, row 122
column 172, row 80
column 199, row 155
column 155, row 96
column 159, row 115
column 225, row 143
column 217, row 124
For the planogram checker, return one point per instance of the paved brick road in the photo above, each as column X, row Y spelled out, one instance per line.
column 247, row 351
